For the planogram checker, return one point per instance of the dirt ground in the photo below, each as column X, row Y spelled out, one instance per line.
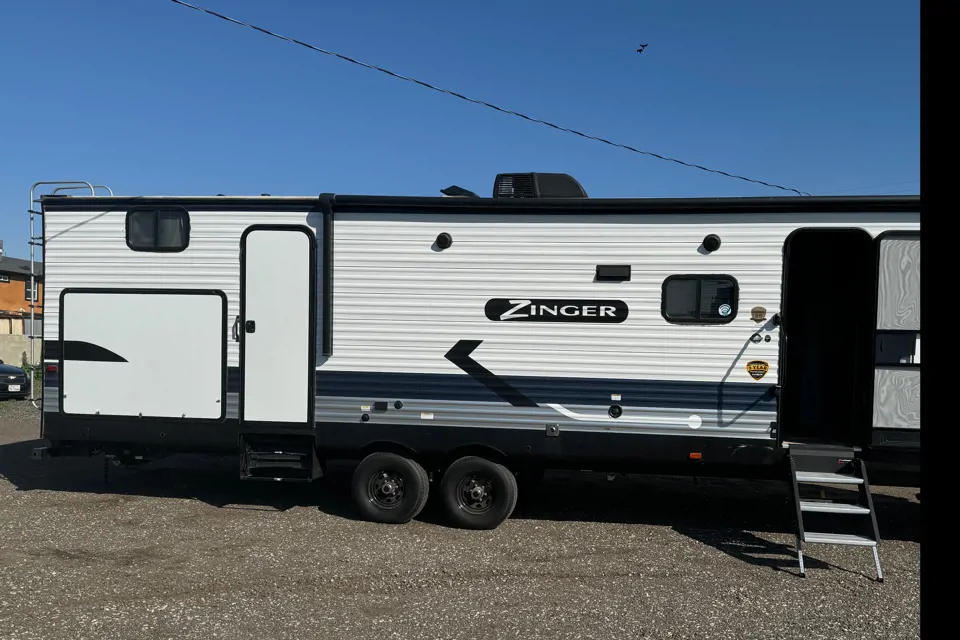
column 183, row 549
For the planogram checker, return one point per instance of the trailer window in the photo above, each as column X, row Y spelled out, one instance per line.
column 699, row 299
column 158, row 230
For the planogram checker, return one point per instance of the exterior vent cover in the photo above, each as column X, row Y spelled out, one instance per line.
column 514, row 185
column 537, row 185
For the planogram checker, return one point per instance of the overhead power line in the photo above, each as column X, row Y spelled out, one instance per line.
column 483, row 103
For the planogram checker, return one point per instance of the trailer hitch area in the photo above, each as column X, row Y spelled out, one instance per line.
column 40, row 453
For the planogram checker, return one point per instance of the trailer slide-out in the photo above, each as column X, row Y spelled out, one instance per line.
column 454, row 344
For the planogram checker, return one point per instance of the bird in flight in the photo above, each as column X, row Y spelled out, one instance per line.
column 642, row 47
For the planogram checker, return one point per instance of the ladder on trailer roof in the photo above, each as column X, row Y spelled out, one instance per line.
column 832, row 466
column 37, row 241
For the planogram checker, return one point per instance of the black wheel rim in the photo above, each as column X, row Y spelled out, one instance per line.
column 386, row 489
column 475, row 494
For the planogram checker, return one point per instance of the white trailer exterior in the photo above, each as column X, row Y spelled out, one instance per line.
column 550, row 332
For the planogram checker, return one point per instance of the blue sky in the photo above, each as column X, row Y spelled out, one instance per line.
column 152, row 98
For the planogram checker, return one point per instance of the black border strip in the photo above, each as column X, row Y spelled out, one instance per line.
column 137, row 291
column 326, row 205
column 312, row 329
column 545, row 206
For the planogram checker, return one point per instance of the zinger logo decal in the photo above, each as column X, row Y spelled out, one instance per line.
column 526, row 310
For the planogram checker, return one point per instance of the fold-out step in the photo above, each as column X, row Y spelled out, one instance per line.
column 832, row 507
column 838, row 538
column 827, row 478
column 289, row 458
column 823, row 468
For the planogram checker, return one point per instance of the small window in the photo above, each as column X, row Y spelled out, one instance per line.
column 696, row 299
column 28, row 294
column 34, row 329
column 4, row 278
column 158, row 230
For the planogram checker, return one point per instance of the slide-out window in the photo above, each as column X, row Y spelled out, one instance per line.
column 160, row 230
column 699, row 299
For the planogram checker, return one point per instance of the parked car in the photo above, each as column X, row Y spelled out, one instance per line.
column 13, row 382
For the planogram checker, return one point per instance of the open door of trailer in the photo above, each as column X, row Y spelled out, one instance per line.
column 277, row 329
column 826, row 352
column 896, row 384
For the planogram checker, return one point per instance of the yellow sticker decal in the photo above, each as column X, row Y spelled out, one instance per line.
column 757, row 369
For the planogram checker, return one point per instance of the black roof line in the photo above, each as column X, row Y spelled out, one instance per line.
column 415, row 204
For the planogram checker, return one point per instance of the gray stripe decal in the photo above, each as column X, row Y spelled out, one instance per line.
column 647, row 420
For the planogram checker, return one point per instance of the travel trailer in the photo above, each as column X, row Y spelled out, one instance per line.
column 456, row 344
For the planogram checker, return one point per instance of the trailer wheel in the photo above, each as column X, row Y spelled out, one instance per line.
column 478, row 493
column 389, row 488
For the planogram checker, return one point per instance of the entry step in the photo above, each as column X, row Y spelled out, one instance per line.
column 811, row 448
column 832, row 507
column 838, row 538
column 827, row 478
column 279, row 458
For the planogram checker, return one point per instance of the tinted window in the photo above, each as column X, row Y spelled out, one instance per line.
column 696, row 299
column 681, row 299
column 159, row 230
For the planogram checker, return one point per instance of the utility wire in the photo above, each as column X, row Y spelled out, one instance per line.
column 483, row 103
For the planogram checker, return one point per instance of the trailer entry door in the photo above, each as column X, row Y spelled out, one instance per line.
column 277, row 334
column 826, row 362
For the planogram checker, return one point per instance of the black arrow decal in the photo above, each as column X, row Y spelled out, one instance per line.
column 459, row 355
column 87, row 352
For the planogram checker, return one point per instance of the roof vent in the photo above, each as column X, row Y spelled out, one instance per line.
column 537, row 185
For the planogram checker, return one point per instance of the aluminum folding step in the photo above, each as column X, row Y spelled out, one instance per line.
column 814, row 466
column 813, row 477
column 838, row 538
column 815, row 506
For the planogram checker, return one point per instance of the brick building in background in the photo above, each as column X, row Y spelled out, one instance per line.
column 15, row 296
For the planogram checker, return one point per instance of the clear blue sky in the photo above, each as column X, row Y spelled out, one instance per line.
column 152, row 98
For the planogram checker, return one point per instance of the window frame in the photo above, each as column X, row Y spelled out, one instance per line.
column 700, row 277
column 4, row 278
column 36, row 291
column 157, row 211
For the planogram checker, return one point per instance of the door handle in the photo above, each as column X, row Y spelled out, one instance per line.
column 250, row 326
column 235, row 331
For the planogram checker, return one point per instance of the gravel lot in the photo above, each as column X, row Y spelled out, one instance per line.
column 182, row 549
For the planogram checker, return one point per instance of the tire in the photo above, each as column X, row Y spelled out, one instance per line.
column 389, row 488
column 477, row 493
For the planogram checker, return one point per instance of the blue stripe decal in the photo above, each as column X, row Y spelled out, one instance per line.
column 695, row 396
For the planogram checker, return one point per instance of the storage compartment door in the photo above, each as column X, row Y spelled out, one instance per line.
column 143, row 353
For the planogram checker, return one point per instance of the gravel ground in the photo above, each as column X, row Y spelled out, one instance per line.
column 181, row 549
